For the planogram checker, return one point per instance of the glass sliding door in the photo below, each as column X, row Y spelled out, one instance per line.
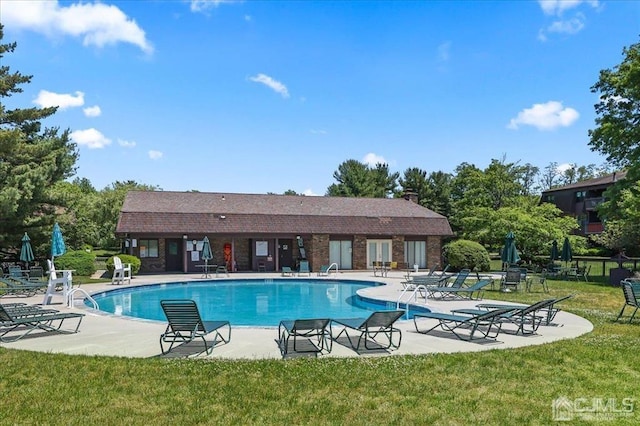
column 340, row 253
column 415, row 253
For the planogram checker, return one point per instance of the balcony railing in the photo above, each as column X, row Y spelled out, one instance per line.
column 595, row 228
column 592, row 203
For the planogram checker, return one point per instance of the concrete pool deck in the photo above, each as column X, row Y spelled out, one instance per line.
column 110, row 335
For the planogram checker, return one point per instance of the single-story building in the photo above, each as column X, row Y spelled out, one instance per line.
column 251, row 232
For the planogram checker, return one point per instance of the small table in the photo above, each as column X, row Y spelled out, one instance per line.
column 207, row 268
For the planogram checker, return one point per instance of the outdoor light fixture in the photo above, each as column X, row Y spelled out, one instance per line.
column 222, row 216
column 185, row 237
column 195, row 242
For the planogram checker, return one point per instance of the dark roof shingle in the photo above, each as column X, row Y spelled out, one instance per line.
column 229, row 213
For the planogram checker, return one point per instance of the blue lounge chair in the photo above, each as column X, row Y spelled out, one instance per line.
column 308, row 330
column 549, row 311
column 486, row 324
column 186, row 324
column 368, row 329
column 476, row 289
column 526, row 318
column 304, row 268
column 286, row 271
column 25, row 320
column 13, row 287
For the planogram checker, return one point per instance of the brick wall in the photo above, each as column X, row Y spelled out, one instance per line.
column 434, row 251
column 359, row 252
column 318, row 253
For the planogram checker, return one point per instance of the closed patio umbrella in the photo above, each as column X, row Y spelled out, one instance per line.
column 555, row 254
column 57, row 242
column 26, row 253
column 509, row 253
column 207, row 255
column 566, row 255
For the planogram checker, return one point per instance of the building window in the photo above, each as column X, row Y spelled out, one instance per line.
column 148, row 248
column 415, row 253
column 581, row 195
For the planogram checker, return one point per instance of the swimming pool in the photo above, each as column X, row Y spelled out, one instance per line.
column 255, row 302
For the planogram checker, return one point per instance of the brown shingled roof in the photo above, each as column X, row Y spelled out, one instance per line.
column 602, row 181
column 229, row 213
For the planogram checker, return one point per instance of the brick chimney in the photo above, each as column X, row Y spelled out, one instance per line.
column 410, row 195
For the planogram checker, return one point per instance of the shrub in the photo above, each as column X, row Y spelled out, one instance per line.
column 126, row 258
column 465, row 254
column 81, row 262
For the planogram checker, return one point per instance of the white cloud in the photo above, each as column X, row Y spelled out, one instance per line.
column 318, row 132
column 444, row 51
column 557, row 8
column 93, row 111
column 126, row 144
column 570, row 26
column 309, row 192
column 204, row 5
column 98, row 24
column 275, row 85
column 248, row 18
column 548, row 116
column 91, row 138
column 155, row 155
column 563, row 167
column 372, row 159
column 46, row 99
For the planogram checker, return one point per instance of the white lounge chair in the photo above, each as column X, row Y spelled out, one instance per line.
column 121, row 271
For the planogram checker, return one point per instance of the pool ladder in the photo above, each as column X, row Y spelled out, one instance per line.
column 333, row 265
column 412, row 296
column 71, row 299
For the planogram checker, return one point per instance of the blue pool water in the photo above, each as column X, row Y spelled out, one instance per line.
column 256, row 302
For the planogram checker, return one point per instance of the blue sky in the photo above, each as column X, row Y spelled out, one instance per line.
column 265, row 96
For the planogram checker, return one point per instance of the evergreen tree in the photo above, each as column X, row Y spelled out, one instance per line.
column 32, row 160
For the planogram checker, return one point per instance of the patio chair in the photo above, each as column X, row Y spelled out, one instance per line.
column 541, row 281
column 304, row 268
column 222, row 269
column 527, row 318
column 186, row 324
column 584, row 272
column 36, row 274
column 512, row 278
column 476, row 289
column 486, row 324
column 307, row 330
column 286, row 271
column 12, row 287
column 368, row 329
column 323, row 271
column 631, row 291
column 549, row 311
column 121, row 271
column 23, row 322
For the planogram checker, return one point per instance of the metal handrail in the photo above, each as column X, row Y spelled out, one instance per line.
column 71, row 299
column 331, row 266
column 413, row 295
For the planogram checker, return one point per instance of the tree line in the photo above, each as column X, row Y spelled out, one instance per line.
column 37, row 166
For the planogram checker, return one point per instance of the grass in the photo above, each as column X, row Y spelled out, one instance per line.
column 515, row 386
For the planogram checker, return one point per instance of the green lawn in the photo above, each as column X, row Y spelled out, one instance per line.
column 515, row 386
